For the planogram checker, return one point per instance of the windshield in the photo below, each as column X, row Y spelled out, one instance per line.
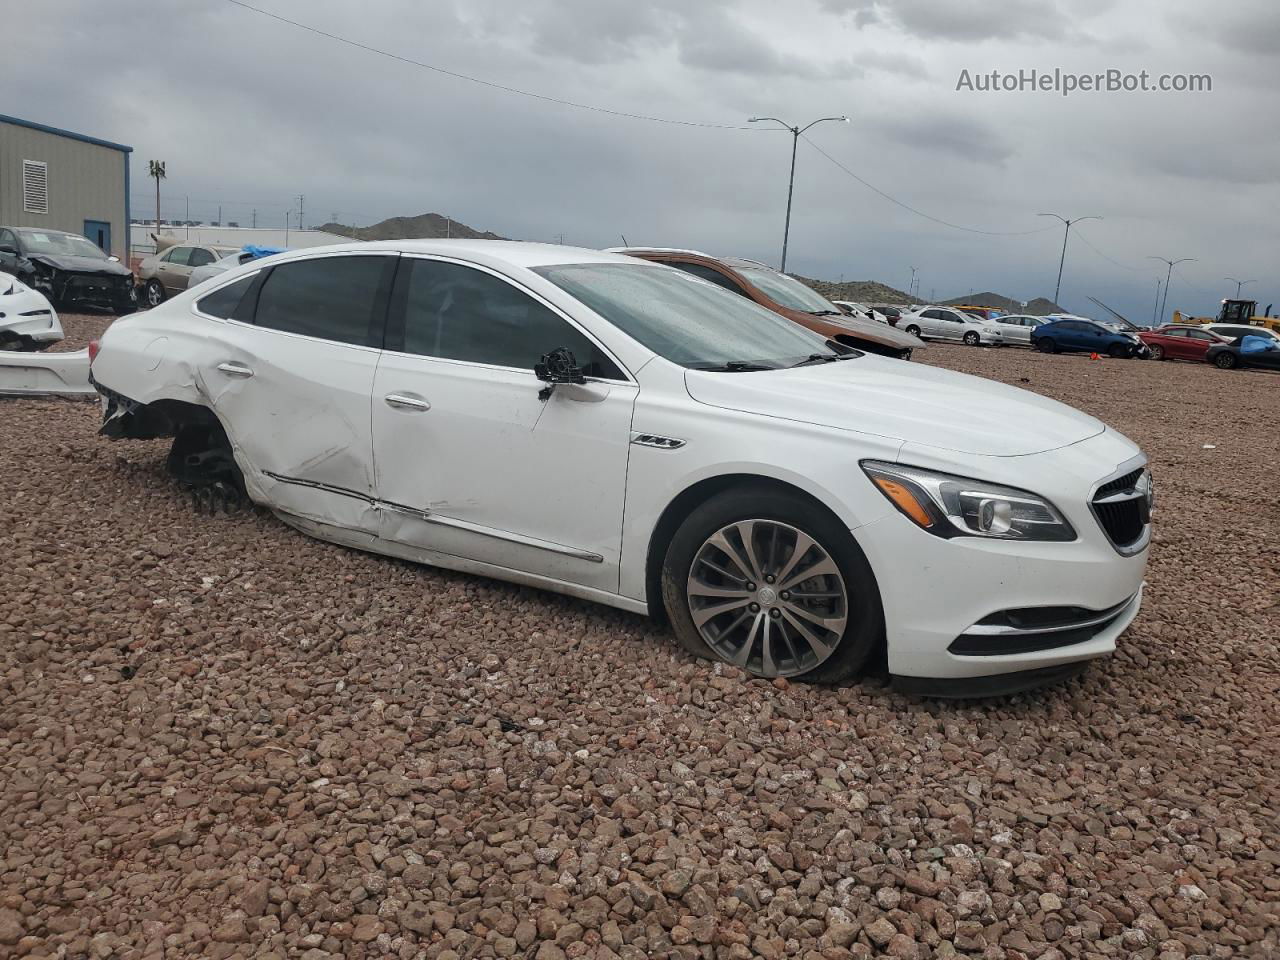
column 59, row 245
column 686, row 320
column 789, row 293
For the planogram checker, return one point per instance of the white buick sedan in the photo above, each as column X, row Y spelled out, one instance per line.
column 624, row 432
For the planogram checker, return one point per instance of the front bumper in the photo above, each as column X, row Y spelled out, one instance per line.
column 941, row 597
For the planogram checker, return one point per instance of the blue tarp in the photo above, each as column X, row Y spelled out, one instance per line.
column 258, row 252
column 1256, row 344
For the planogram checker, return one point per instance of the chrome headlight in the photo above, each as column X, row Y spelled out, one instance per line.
column 949, row 506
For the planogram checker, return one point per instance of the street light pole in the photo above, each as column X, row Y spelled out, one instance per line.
column 1168, row 277
column 1238, row 283
column 1063, row 259
column 795, row 131
column 912, row 283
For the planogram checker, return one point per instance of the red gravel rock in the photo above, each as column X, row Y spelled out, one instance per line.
column 321, row 753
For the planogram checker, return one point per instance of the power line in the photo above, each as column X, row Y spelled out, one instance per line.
column 920, row 213
column 1123, row 266
column 485, row 83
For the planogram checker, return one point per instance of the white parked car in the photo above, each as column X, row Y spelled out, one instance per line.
column 1017, row 327
column 945, row 323
column 861, row 310
column 27, row 318
column 619, row 430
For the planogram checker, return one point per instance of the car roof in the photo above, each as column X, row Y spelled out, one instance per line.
column 517, row 253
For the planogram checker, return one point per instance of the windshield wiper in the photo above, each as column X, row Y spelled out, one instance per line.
column 823, row 358
column 826, row 313
column 736, row 366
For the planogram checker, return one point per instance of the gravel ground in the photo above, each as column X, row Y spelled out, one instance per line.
column 219, row 738
column 79, row 328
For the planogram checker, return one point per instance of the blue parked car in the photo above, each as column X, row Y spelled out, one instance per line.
column 1087, row 336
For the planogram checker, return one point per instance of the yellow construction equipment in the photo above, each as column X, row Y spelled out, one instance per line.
column 1244, row 312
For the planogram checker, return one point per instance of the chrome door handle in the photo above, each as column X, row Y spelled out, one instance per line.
column 401, row 401
column 233, row 369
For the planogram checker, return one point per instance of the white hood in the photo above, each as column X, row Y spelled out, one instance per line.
column 903, row 401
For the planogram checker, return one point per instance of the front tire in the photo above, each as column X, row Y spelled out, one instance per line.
column 913, row 330
column 1045, row 345
column 971, row 339
column 772, row 583
column 1225, row 361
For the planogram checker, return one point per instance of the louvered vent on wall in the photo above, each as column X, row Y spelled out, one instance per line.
column 35, row 186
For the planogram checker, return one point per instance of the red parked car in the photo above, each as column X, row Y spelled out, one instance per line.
column 1180, row 342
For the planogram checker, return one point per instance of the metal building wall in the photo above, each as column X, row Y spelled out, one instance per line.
column 87, row 181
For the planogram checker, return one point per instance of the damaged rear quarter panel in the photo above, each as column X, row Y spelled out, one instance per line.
column 311, row 427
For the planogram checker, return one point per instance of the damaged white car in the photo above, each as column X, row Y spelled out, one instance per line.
column 625, row 432
column 27, row 318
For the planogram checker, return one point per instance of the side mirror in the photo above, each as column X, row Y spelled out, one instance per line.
column 558, row 366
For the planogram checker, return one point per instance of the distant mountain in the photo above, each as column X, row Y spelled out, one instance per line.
column 1039, row 307
column 858, row 291
column 423, row 226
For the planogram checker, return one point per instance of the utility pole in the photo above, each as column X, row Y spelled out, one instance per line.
column 1239, row 284
column 286, row 228
column 1063, row 258
column 155, row 169
column 219, row 214
column 187, row 222
column 448, row 228
column 255, row 218
column 1168, row 278
column 912, row 284
column 795, row 131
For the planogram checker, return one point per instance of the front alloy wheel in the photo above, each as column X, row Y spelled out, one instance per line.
column 768, row 598
column 773, row 583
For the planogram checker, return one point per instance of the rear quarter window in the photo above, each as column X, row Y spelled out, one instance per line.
column 222, row 302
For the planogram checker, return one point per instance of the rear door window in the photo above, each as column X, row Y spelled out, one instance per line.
column 177, row 256
column 330, row 298
column 199, row 257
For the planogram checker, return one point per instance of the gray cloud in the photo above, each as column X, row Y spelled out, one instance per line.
column 249, row 113
column 964, row 20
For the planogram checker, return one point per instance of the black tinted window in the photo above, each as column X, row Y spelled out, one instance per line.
column 223, row 302
column 712, row 276
column 459, row 313
column 333, row 298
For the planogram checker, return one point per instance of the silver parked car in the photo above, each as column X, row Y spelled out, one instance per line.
column 1017, row 327
column 168, row 273
column 947, row 323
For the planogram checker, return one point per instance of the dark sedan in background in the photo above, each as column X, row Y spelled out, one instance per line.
column 67, row 268
column 1086, row 336
column 1251, row 350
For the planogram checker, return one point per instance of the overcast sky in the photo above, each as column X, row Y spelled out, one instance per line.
column 250, row 112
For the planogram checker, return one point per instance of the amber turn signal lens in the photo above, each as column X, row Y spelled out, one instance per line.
column 904, row 499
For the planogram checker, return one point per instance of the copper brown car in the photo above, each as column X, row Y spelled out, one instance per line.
column 786, row 296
